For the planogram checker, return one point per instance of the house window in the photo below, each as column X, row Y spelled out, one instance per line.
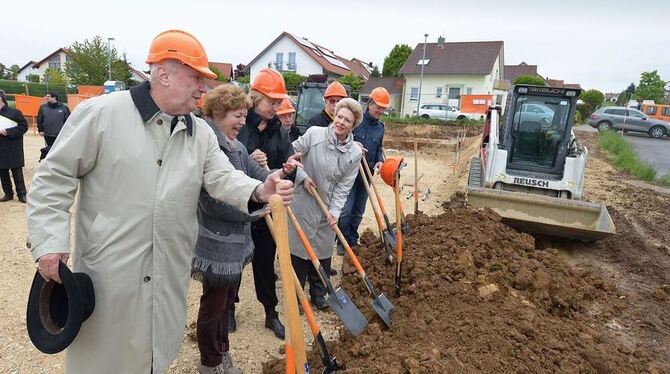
column 666, row 111
column 438, row 92
column 499, row 99
column 414, row 94
column 454, row 93
column 468, row 90
column 291, row 61
column 54, row 63
column 279, row 61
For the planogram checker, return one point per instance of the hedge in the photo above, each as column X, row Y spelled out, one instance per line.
column 34, row 89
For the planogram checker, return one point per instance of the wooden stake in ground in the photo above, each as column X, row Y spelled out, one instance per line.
column 416, row 178
column 295, row 340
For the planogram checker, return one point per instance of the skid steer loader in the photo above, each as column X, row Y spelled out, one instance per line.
column 530, row 167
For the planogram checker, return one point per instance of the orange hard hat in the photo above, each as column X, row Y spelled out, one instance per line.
column 182, row 46
column 381, row 97
column 335, row 89
column 389, row 168
column 285, row 108
column 270, row 83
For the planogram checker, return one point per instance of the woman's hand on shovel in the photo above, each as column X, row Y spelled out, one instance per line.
column 308, row 183
column 292, row 163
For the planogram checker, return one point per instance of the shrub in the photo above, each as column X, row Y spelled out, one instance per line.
column 529, row 79
column 578, row 118
column 585, row 110
column 34, row 89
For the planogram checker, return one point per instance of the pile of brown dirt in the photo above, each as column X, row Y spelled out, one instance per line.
column 478, row 296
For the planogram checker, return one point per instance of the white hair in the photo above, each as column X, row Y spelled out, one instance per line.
column 169, row 64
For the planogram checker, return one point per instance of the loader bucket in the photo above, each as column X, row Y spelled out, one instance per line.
column 544, row 215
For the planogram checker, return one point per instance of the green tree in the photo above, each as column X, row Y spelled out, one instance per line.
column 4, row 72
column 243, row 79
column 89, row 63
column 594, row 98
column 353, row 81
column 55, row 77
column 529, row 79
column 395, row 60
column 375, row 72
column 651, row 87
column 15, row 71
column 625, row 95
column 219, row 74
column 293, row 81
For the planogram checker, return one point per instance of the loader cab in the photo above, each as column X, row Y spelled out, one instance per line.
column 538, row 125
column 310, row 102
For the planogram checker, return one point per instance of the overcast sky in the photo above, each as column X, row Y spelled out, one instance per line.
column 597, row 43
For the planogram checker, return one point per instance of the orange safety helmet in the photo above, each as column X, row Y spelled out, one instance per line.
column 381, row 97
column 335, row 89
column 285, row 108
column 270, row 83
column 389, row 168
column 181, row 46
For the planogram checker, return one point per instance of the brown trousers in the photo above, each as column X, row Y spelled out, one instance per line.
column 212, row 325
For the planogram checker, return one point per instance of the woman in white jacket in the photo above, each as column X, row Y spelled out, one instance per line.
column 330, row 158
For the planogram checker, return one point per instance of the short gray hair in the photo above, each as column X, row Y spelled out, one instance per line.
column 353, row 106
column 169, row 64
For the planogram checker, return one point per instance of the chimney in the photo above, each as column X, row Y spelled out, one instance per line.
column 440, row 42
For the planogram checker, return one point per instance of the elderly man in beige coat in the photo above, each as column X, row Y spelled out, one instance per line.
column 139, row 160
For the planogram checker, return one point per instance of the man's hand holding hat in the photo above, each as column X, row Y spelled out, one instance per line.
column 48, row 265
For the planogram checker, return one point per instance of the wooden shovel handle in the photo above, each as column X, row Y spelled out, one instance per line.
column 374, row 187
column 378, row 217
column 346, row 246
column 294, row 327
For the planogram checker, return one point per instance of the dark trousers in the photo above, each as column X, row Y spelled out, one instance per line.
column 17, row 173
column 263, row 266
column 352, row 213
column 212, row 325
column 303, row 268
column 49, row 140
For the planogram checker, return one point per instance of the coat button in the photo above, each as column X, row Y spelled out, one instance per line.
column 147, row 279
column 159, row 162
column 160, row 121
column 28, row 245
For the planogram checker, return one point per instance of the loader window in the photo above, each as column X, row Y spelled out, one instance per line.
column 538, row 129
column 310, row 103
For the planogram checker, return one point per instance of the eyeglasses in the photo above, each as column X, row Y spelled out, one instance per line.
column 333, row 100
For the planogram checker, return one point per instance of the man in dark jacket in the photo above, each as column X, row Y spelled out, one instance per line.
column 12, row 128
column 51, row 118
column 370, row 134
column 334, row 93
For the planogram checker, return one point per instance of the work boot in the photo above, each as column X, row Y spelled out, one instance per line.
column 273, row 323
column 7, row 198
column 22, row 198
column 218, row 369
column 319, row 302
column 227, row 364
column 232, row 324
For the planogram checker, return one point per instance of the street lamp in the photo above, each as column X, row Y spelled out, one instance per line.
column 423, row 63
column 109, row 63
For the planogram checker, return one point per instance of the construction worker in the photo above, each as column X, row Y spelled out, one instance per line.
column 287, row 118
column 138, row 160
column 370, row 134
column 334, row 93
column 270, row 147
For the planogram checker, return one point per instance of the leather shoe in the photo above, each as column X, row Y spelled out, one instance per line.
column 232, row 324
column 332, row 271
column 319, row 302
column 6, row 198
column 274, row 324
column 22, row 198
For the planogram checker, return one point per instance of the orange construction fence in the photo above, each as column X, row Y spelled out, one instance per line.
column 84, row 92
column 476, row 103
column 28, row 105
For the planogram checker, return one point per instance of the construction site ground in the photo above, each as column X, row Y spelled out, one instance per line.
column 477, row 295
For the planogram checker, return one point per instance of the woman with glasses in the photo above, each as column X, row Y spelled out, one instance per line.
column 334, row 93
column 271, row 148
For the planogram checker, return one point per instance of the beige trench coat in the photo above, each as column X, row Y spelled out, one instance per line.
column 334, row 171
column 135, row 223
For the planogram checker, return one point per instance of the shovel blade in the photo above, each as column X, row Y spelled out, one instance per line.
column 383, row 307
column 352, row 318
column 389, row 245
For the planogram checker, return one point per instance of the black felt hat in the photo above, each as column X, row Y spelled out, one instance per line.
column 56, row 311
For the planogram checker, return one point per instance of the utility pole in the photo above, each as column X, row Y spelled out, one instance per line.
column 109, row 62
column 423, row 63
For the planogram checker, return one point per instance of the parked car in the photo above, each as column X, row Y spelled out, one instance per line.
column 441, row 111
column 627, row 119
column 536, row 113
column 658, row 111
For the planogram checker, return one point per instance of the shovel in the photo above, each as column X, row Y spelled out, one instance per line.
column 338, row 300
column 387, row 238
column 398, row 213
column 380, row 303
column 295, row 340
column 416, row 179
column 330, row 364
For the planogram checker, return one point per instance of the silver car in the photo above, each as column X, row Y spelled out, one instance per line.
column 628, row 119
column 441, row 111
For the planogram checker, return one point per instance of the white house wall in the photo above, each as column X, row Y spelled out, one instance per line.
column 305, row 65
column 480, row 85
column 22, row 75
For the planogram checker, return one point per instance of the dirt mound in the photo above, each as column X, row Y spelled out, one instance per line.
column 478, row 297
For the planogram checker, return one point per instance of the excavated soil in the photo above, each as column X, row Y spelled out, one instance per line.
column 478, row 296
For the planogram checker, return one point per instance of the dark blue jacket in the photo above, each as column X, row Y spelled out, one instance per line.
column 371, row 134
